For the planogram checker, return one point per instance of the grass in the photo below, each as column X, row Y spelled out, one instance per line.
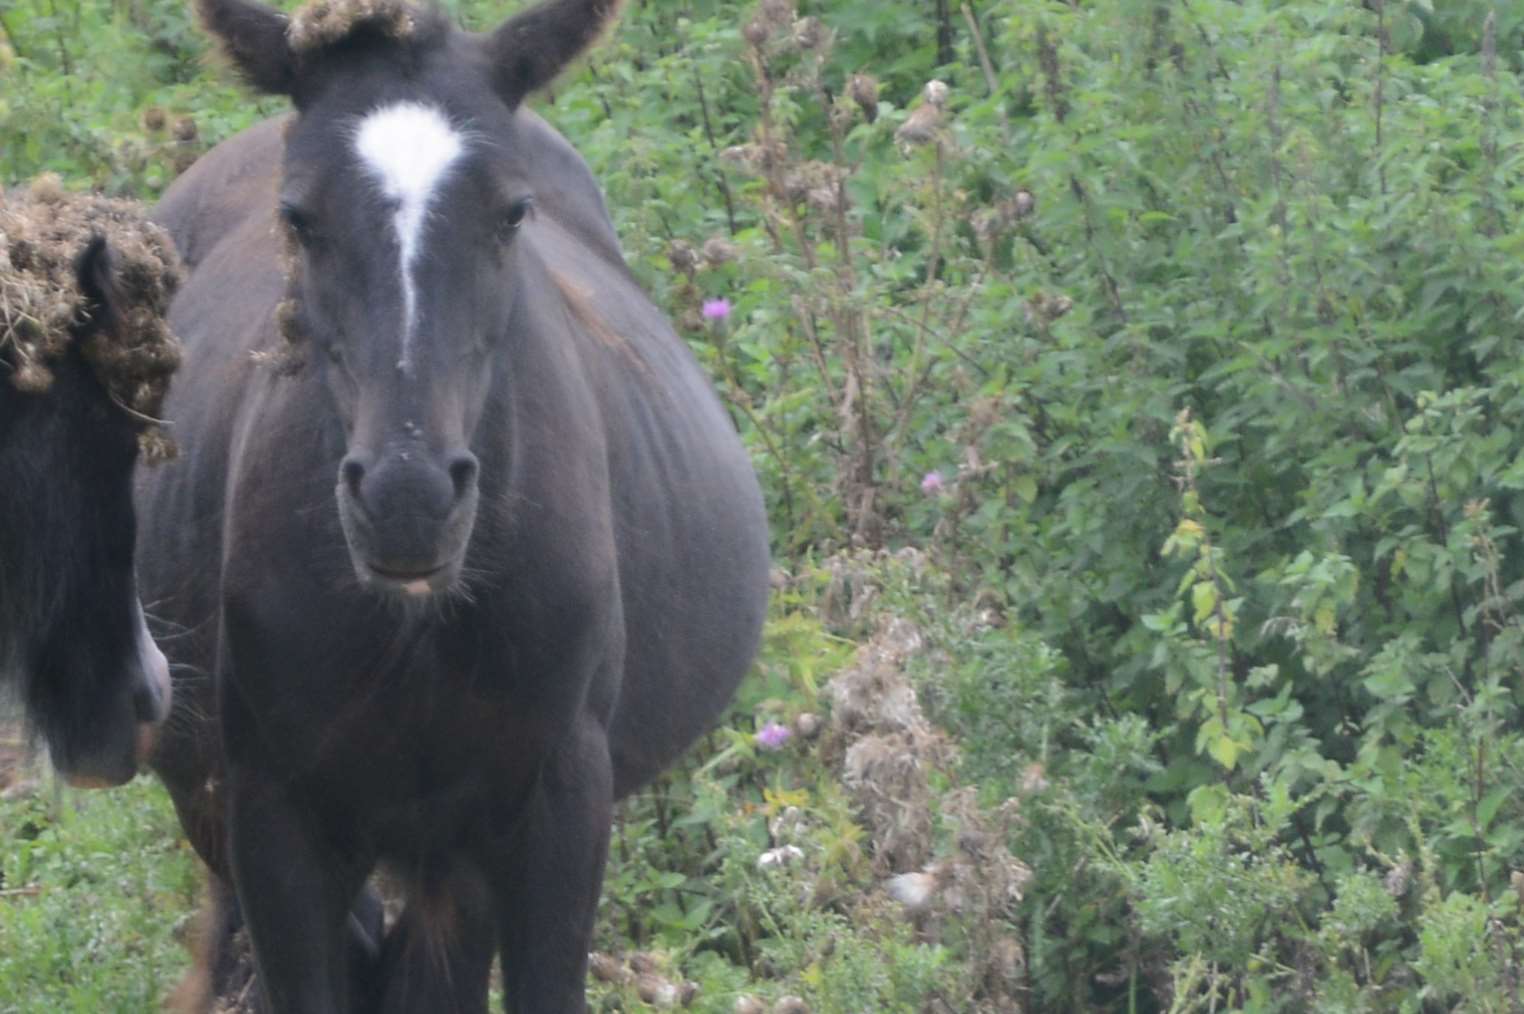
column 94, row 889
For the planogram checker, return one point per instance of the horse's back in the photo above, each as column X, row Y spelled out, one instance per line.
column 223, row 189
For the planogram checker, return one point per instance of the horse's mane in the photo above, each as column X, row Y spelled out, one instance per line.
column 44, row 229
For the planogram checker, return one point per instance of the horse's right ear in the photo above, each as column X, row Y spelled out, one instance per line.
column 254, row 38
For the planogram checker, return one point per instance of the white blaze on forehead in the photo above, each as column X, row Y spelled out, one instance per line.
column 408, row 149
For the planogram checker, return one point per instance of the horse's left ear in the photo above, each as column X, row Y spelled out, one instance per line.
column 94, row 271
column 254, row 38
column 529, row 49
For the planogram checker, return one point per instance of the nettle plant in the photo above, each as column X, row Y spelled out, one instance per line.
column 974, row 319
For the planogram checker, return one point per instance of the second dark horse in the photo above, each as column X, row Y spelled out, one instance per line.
column 489, row 557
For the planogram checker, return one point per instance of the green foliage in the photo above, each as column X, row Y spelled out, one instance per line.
column 1458, row 957
column 1218, row 888
column 1180, row 342
column 115, row 95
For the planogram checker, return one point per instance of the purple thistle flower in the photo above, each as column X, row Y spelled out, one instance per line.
column 932, row 484
column 772, row 736
column 716, row 309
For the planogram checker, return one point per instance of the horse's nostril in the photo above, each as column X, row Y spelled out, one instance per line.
column 353, row 471
column 463, row 472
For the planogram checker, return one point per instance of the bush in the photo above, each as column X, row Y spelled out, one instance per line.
column 1156, row 364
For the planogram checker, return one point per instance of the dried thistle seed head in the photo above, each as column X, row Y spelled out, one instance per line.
column 1008, row 961
column 986, row 224
column 750, row 1005
column 756, row 158
column 777, row 858
column 645, row 963
column 286, row 319
column 863, row 89
column 973, row 843
column 154, row 119
column 744, row 156
column 32, row 378
column 842, row 114
column 284, row 359
column 156, row 447
column 657, row 991
column 1024, row 203
column 756, row 33
column 791, row 1005
column 19, row 252
column 809, row 33
column 788, row 825
column 43, row 310
column 323, row 23
column 795, row 185
column 47, row 189
column 825, row 198
column 606, row 968
column 914, row 890
column 719, row 250
column 182, row 161
column 185, row 129
column 1044, row 308
column 935, row 93
column 777, row 12
column 65, row 311
column 289, row 355
column 920, row 127
column 1398, row 878
column 681, row 256
column 810, row 176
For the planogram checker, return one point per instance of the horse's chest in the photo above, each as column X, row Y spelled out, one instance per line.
column 409, row 750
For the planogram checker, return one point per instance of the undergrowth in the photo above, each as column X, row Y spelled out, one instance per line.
column 1134, row 380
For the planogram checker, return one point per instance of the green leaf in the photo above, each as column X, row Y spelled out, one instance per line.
column 1488, row 807
column 1204, row 600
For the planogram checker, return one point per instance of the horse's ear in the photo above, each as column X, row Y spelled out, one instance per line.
column 94, row 270
column 529, row 49
column 254, row 38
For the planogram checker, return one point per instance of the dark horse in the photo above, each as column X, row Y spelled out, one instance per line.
column 72, row 634
column 479, row 556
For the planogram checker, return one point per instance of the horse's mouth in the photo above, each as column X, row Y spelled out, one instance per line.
column 408, row 581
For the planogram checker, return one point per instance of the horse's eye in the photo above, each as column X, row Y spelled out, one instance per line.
column 299, row 222
column 514, row 217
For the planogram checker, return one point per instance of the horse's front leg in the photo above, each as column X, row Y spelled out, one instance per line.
column 296, row 884
column 545, row 885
